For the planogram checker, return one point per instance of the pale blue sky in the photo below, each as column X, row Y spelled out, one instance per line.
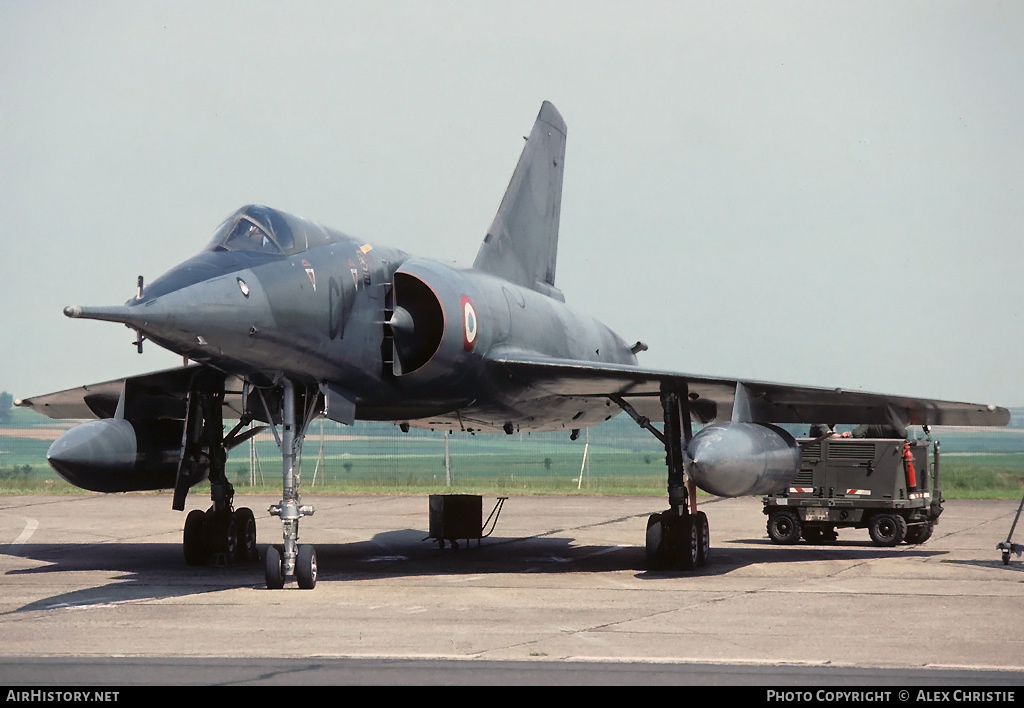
column 807, row 192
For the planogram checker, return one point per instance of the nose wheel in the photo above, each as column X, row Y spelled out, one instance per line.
column 289, row 559
column 275, row 571
column 305, row 567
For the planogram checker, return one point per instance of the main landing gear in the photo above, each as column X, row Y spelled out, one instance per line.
column 222, row 538
column 677, row 542
column 678, row 538
column 221, row 534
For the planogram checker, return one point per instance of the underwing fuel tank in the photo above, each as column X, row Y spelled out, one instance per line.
column 740, row 459
column 117, row 455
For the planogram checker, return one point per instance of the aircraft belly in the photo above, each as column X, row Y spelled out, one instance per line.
column 537, row 415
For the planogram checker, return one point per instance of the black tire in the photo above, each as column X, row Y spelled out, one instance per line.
column 813, row 535
column 784, row 527
column 704, row 544
column 305, row 567
column 1006, row 558
column 274, row 569
column 819, row 535
column 887, row 530
column 919, row 533
column 655, row 543
column 194, row 538
column 688, row 548
column 221, row 536
column 228, row 536
column 245, row 527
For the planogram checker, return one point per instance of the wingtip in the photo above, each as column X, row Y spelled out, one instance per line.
column 550, row 115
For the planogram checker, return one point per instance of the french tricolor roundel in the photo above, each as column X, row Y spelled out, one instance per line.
column 469, row 324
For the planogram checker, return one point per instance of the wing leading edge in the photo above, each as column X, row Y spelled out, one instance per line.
column 710, row 398
column 161, row 394
column 714, row 398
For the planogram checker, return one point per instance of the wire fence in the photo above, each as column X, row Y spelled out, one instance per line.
column 615, row 456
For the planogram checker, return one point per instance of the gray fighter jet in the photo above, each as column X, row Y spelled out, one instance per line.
column 285, row 320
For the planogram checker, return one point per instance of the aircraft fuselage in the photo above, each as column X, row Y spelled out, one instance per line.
column 405, row 337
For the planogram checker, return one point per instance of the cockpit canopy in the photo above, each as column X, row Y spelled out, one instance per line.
column 261, row 229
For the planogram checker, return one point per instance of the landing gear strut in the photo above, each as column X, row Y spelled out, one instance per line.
column 679, row 537
column 221, row 534
column 289, row 559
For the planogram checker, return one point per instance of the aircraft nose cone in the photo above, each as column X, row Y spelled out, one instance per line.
column 209, row 316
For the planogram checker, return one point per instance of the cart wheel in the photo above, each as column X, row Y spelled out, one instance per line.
column 784, row 527
column 1006, row 558
column 813, row 535
column 887, row 529
column 919, row 534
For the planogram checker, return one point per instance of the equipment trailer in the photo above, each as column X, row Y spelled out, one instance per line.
column 880, row 484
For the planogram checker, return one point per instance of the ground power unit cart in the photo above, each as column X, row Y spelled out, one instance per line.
column 880, row 484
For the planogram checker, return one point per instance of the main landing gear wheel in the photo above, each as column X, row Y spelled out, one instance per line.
column 210, row 535
column 194, row 538
column 689, row 542
column 655, row 548
column 678, row 537
column 704, row 542
column 677, row 541
column 245, row 529
column 224, row 537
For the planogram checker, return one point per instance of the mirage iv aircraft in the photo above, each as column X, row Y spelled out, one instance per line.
column 284, row 320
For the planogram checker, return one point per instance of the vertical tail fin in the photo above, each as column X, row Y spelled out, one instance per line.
column 522, row 244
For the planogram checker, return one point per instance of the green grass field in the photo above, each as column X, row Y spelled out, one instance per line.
column 377, row 458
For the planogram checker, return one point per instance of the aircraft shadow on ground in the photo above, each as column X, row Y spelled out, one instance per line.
column 996, row 562
column 158, row 570
column 405, row 553
column 145, row 571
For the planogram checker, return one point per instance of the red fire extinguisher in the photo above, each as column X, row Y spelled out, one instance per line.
column 908, row 467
